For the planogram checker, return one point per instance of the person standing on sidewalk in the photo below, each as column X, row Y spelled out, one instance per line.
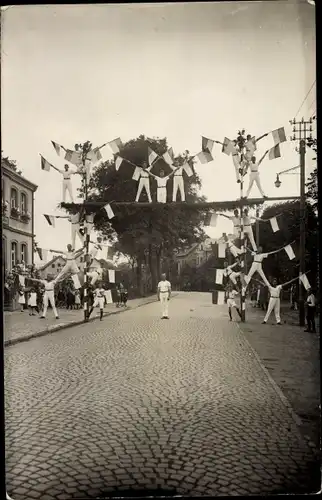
column 22, row 298
column 275, row 301
column 310, row 311
column 32, row 302
column 49, row 296
column 232, row 294
column 99, row 300
column 164, row 294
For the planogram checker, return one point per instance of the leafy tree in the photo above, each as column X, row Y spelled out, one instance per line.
column 312, row 184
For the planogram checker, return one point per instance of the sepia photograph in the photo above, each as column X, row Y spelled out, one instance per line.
column 160, row 250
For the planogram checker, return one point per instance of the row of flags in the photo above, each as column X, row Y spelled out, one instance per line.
column 211, row 220
column 51, row 219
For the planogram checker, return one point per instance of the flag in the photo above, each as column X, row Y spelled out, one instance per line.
column 279, row 135
column 57, row 147
column 108, row 296
column 115, row 145
column 204, row 157
column 89, row 218
column 228, row 146
column 22, row 280
column 111, row 275
column 45, row 165
column 305, row 281
column 118, row 162
column 274, row 224
column 94, row 155
column 186, row 167
column 76, row 282
column 219, row 276
column 136, row 173
column 221, row 250
column 43, row 253
column 109, row 211
column 151, row 155
column 168, row 156
column 207, row 144
column 211, row 219
column 74, row 157
column 39, row 251
column 218, row 297
column 289, row 250
column 274, row 152
column 50, row 219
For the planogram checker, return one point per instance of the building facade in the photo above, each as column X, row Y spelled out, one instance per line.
column 194, row 256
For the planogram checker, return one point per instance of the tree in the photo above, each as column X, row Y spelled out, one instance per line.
column 312, row 184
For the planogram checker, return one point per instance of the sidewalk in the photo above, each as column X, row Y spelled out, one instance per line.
column 19, row 327
column 292, row 358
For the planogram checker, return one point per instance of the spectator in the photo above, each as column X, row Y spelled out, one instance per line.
column 77, row 300
column 22, row 298
column 310, row 311
column 32, row 302
column 70, row 299
column 263, row 298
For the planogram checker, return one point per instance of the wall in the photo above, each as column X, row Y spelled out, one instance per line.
column 7, row 237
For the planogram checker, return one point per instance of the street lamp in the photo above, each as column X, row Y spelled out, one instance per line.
column 278, row 182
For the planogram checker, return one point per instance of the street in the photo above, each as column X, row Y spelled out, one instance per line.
column 136, row 403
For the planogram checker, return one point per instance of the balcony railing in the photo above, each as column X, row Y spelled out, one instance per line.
column 17, row 214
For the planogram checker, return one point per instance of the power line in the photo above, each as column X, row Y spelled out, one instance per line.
column 305, row 98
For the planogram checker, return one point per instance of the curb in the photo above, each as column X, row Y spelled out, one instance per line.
column 298, row 421
column 53, row 329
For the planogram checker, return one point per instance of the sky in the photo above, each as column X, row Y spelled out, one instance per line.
column 76, row 72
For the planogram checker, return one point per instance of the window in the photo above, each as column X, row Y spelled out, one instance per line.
column 14, row 253
column 81, row 259
column 59, row 264
column 14, row 198
column 4, row 253
column 23, row 203
column 24, row 256
column 53, row 266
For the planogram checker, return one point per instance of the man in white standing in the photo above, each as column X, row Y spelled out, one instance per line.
column 235, row 219
column 99, row 294
column 164, row 294
column 162, row 185
column 49, row 296
column 67, row 183
column 254, row 175
column 144, row 182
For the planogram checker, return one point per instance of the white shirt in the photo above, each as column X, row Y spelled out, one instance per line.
column 49, row 285
column 99, row 293
column 144, row 173
column 235, row 221
column 254, row 167
column 162, row 181
column 311, row 300
column 74, row 218
column 232, row 294
column 246, row 220
column 259, row 257
column 275, row 291
column 70, row 255
column 164, row 286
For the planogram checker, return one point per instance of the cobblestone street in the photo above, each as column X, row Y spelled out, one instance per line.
column 136, row 403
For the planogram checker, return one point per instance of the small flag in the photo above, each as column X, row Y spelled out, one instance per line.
column 168, row 156
column 207, row 144
column 219, row 297
column 137, row 173
column 109, row 211
column 22, row 280
column 108, row 296
column 204, row 157
column 274, row 224
column 89, row 218
column 305, row 281
column 274, row 152
column 57, row 147
column 151, row 155
column 219, row 276
column 111, row 275
column 74, row 157
column 279, row 135
column 39, row 251
column 211, row 219
column 76, row 282
column 118, row 162
column 115, row 145
column 186, row 167
column 50, row 219
column 94, row 155
column 228, row 146
column 45, row 165
column 44, row 254
column 221, row 250
column 289, row 250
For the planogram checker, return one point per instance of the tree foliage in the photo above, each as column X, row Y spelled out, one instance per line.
column 312, row 184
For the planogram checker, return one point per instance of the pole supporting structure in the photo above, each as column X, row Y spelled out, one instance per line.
column 243, row 255
column 87, row 238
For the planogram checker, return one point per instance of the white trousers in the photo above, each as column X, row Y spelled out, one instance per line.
column 178, row 185
column 235, row 250
column 99, row 301
column 274, row 305
column 69, row 268
column 161, row 194
column 76, row 282
column 256, row 268
column 233, row 277
column 144, row 183
column 67, row 186
column 249, row 231
column 94, row 275
column 164, row 303
column 237, row 166
column 254, row 177
column 49, row 297
column 75, row 230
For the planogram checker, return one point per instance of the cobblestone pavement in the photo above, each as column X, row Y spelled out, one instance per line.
column 292, row 358
column 18, row 325
column 139, row 403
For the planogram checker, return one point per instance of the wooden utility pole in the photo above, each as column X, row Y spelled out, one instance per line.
column 301, row 134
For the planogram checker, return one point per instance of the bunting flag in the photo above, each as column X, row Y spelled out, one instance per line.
column 94, row 155
column 76, row 282
column 136, row 173
column 50, row 219
column 186, row 167
column 218, row 297
column 279, row 135
column 274, row 224
column 22, row 280
column 221, row 250
column 108, row 297
column 115, row 145
column 111, row 275
column 109, row 211
column 57, row 147
column 204, row 157
column 289, row 250
column 274, row 152
column 168, row 156
column 118, row 162
column 219, row 276
column 211, row 219
column 228, row 146
column 43, row 253
column 152, row 156
column 207, row 144
column 74, row 157
column 305, row 281
column 45, row 165
column 89, row 218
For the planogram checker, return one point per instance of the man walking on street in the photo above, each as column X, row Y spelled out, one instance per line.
column 310, row 312
column 164, row 294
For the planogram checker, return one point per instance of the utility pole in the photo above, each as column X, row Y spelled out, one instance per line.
column 241, row 144
column 300, row 134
